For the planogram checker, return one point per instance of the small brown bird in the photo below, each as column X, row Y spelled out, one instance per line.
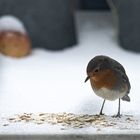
column 108, row 80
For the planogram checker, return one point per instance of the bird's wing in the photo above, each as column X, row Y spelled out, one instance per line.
column 119, row 68
column 126, row 80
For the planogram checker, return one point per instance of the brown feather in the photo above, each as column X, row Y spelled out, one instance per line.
column 104, row 78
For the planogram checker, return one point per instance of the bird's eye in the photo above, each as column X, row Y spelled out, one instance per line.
column 96, row 70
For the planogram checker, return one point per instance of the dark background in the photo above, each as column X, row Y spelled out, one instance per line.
column 50, row 23
column 93, row 4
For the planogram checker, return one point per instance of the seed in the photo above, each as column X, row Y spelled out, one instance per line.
column 5, row 124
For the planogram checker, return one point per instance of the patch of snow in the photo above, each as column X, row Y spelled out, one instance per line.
column 11, row 23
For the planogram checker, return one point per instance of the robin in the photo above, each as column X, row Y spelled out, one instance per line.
column 108, row 80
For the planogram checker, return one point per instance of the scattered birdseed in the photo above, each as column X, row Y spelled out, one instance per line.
column 70, row 120
column 129, row 119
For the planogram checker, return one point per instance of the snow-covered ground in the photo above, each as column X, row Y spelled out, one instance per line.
column 48, row 81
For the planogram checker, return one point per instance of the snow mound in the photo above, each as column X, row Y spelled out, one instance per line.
column 11, row 23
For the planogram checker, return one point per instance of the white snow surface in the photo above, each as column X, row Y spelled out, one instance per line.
column 48, row 81
column 11, row 23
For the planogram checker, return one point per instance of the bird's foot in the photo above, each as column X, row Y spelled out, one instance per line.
column 101, row 114
column 117, row 116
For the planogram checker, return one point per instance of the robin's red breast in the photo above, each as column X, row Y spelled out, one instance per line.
column 108, row 79
column 102, row 79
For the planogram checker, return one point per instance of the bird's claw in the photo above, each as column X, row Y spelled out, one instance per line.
column 101, row 114
column 117, row 116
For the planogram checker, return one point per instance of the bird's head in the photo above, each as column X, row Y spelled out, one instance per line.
column 95, row 66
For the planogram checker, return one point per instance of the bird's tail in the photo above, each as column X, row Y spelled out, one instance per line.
column 126, row 98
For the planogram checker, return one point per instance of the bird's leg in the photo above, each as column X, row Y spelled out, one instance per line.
column 118, row 114
column 101, row 113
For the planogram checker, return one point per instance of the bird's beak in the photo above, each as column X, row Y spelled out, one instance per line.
column 87, row 79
